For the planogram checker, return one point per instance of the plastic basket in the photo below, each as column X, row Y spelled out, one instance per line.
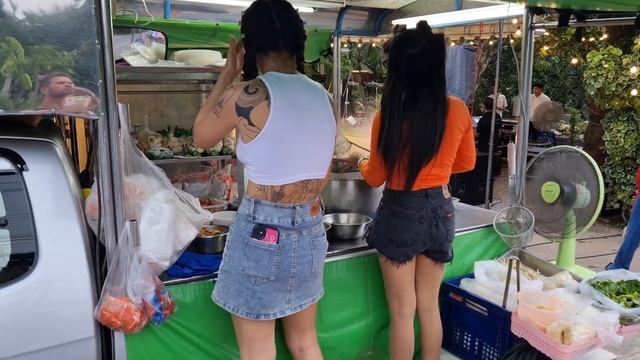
column 545, row 344
column 514, row 225
column 473, row 328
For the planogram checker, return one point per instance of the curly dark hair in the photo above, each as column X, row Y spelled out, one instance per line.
column 271, row 25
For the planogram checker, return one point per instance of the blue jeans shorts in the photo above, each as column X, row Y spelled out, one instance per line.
column 263, row 281
column 409, row 223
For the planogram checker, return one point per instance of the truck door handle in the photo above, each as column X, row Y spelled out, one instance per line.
column 4, row 222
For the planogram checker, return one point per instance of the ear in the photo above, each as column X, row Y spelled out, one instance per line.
column 44, row 90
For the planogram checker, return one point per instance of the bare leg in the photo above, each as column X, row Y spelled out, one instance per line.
column 300, row 334
column 256, row 338
column 399, row 286
column 428, row 278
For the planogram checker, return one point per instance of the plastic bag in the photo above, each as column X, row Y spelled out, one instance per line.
column 132, row 294
column 491, row 276
column 628, row 314
column 168, row 219
column 92, row 209
column 562, row 279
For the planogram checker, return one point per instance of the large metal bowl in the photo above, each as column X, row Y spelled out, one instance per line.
column 349, row 193
column 347, row 226
column 212, row 244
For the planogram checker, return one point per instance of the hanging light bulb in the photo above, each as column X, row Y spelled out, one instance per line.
column 518, row 32
column 634, row 92
column 584, row 39
column 575, row 61
column 453, row 44
column 511, row 41
column 604, row 36
column 344, row 45
column 634, row 69
column 359, row 45
column 514, row 21
column 490, row 42
column 592, row 39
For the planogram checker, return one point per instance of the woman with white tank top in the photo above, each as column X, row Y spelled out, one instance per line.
column 273, row 261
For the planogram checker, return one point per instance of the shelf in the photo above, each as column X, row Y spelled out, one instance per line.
column 166, row 75
column 191, row 159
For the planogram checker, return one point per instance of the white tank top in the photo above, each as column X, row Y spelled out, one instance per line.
column 298, row 138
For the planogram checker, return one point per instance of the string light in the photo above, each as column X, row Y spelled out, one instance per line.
column 604, row 36
column 634, row 70
column 453, row 44
column 584, row 39
column 331, row 44
column 490, row 42
column 511, row 41
column 546, row 48
column 359, row 45
column 518, row 32
column 471, row 43
column 344, row 45
column 592, row 39
column 546, row 33
column 634, row 92
column 575, row 61
column 514, row 21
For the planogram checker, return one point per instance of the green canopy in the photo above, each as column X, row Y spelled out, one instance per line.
column 595, row 5
column 187, row 34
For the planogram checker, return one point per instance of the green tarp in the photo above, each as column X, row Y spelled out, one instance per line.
column 183, row 34
column 596, row 5
column 353, row 319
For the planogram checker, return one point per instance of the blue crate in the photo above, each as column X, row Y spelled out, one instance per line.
column 473, row 328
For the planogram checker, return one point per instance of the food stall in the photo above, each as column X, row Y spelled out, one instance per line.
column 352, row 316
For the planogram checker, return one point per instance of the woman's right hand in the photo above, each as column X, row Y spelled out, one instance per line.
column 235, row 60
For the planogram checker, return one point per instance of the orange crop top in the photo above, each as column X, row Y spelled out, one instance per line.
column 457, row 154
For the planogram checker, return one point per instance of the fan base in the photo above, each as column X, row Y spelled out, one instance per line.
column 583, row 272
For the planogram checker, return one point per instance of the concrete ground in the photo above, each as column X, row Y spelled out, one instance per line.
column 595, row 249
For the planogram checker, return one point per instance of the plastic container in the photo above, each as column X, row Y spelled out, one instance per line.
column 473, row 328
column 544, row 343
column 539, row 308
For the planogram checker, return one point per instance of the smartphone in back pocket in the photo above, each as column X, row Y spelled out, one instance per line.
column 266, row 234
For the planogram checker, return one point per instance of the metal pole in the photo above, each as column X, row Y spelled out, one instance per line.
column 167, row 9
column 526, row 74
column 620, row 21
column 488, row 187
column 337, row 78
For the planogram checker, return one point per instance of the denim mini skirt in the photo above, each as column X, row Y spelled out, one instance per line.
column 260, row 280
column 409, row 223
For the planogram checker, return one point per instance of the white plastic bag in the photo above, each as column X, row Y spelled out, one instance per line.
column 630, row 314
column 492, row 276
column 168, row 218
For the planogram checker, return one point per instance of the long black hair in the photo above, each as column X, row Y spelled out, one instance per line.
column 267, row 26
column 414, row 101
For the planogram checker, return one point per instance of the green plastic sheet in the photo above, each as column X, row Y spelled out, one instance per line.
column 183, row 34
column 353, row 319
column 597, row 5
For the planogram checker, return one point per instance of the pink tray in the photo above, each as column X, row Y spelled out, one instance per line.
column 547, row 345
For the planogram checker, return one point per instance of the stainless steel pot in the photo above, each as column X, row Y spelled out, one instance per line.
column 212, row 244
column 347, row 226
column 349, row 193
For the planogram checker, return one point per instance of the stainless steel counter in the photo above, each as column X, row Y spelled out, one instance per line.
column 468, row 218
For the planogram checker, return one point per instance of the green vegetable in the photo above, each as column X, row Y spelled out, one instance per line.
column 624, row 292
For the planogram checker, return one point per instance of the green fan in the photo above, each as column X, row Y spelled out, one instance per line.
column 564, row 190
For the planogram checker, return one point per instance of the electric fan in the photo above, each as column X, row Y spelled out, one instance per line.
column 547, row 116
column 565, row 191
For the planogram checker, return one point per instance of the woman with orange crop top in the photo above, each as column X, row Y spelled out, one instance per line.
column 419, row 138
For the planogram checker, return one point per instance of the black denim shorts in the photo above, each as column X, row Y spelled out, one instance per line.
column 409, row 223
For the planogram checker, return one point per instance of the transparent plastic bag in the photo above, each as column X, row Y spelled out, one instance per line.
column 168, row 218
column 586, row 288
column 491, row 276
column 132, row 294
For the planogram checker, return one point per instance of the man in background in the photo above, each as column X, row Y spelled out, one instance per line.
column 54, row 89
column 538, row 97
column 501, row 103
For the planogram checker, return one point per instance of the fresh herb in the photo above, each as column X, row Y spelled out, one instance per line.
column 624, row 292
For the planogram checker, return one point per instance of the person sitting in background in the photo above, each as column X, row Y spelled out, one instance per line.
column 631, row 236
column 484, row 127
